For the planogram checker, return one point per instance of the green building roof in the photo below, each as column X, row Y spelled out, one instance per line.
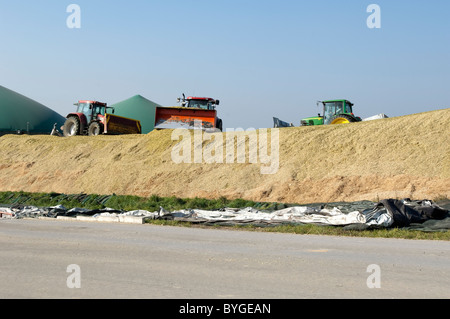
column 19, row 113
column 138, row 108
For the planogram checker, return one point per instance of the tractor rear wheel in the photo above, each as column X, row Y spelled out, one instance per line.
column 71, row 127
column 95, row 128
column 342, row 119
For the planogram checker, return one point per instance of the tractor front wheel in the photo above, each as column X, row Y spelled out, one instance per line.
column 219, row 125
column 95, row 128
column 71, row 127
column 342, row 119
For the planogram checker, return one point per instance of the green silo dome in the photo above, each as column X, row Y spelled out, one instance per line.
column 19, row 113
column 138, row 108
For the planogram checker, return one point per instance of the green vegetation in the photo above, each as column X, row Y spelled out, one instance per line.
column 122, row 202
column 154, row 203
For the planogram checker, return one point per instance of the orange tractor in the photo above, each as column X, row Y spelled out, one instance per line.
column 194, row 113
column 91, row 119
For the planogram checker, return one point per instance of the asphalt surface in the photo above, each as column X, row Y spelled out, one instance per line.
column 65, row 259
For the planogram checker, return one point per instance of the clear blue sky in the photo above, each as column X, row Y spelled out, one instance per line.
column 260, row 58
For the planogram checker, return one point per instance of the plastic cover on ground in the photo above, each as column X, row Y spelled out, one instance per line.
column 385, row 214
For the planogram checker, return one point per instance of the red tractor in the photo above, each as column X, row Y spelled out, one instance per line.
column 91, row 119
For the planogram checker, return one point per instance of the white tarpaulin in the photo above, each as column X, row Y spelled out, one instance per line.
column 291, row 214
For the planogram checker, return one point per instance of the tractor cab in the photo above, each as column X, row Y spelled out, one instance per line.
column 334, row 112
column 333, row 108
column 204, row 103
column 92, row 109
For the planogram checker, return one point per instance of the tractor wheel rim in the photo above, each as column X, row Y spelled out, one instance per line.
column 341, row 121
column 72, row 129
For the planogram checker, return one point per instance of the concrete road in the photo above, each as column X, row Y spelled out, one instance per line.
column 64, row 259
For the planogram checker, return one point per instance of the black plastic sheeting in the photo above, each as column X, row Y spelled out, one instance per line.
column 406, row 213
column 422, row 215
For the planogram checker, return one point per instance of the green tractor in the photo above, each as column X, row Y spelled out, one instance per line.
column 334, row 112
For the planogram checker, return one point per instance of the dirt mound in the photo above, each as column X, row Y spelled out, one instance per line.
column 400, row 157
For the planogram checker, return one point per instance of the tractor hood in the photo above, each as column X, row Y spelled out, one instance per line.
column 316, row 120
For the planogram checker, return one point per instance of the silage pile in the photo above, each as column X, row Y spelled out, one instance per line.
column 404, row 157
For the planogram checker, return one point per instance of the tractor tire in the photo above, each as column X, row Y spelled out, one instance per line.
column 95, row 128
column 219, row 125
column 71, row 127
column 343, row 119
